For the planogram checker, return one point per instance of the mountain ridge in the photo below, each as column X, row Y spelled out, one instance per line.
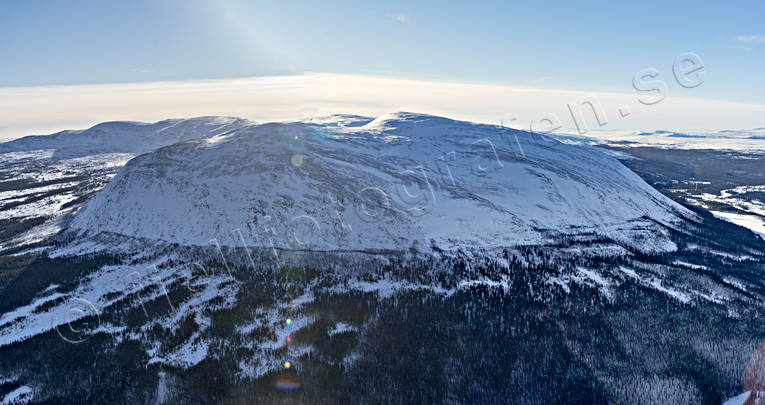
column 398, row 180
column 124, row 136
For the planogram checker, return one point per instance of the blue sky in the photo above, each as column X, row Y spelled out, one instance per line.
column 597, row 46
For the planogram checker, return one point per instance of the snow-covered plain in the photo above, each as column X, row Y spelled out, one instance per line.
column 753, row 222
column 750, row 141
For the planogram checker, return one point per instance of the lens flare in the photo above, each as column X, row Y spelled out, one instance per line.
column 289, row 321
column 287, row 383
column 297, row 160
column 287, row 364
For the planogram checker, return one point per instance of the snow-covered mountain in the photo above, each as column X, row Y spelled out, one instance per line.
column 399, row 180
column 124, row 137
column 578, row 291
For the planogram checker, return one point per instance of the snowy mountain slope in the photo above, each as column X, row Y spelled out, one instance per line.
column 398, row 180
column 124, row 137
column 156, row 313
column 44, row 179
column 169, row 317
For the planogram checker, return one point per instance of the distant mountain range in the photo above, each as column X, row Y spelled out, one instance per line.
column 124, row 137
column 742, row 140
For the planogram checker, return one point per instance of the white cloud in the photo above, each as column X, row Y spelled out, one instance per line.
column 751, row 38
column 40, row 110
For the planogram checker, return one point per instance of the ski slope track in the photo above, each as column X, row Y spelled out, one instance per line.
column 396, row 182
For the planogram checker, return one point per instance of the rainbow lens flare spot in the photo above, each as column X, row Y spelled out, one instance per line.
column 297, row 160
column 287, row 383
